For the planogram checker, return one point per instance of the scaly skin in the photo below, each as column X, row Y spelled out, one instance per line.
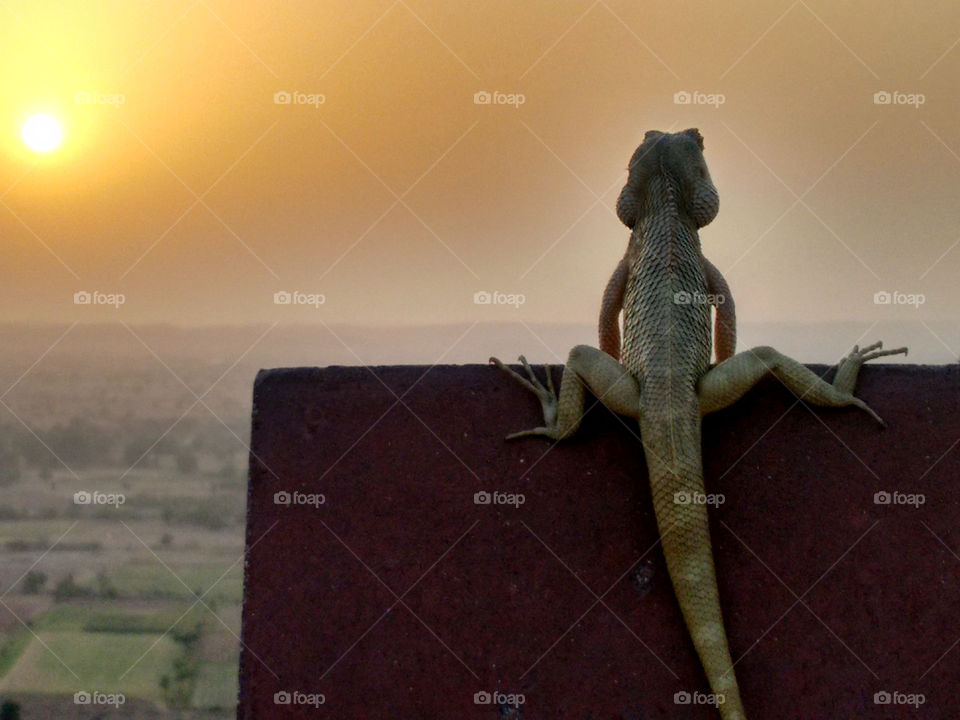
column 724, row 321
column 665, row 381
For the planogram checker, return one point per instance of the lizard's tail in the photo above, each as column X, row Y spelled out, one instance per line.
column 676, row 478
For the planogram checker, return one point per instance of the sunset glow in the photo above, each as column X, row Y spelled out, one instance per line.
column 42, row 133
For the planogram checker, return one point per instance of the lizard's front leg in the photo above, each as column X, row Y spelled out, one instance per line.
column 726, row 383
column 725, row 317
column 587, row 367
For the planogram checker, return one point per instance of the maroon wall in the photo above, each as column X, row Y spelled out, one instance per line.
column 399, row 597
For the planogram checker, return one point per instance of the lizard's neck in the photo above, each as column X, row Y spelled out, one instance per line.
column 663, row 228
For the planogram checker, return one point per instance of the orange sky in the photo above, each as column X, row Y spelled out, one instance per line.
column 398, row 197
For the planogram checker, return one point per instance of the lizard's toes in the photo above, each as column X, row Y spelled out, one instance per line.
column 869, row 410
column 543, row 431
column 883, row 353
column 533, row 387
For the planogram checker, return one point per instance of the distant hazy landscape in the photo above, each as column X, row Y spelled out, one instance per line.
column 121, row 530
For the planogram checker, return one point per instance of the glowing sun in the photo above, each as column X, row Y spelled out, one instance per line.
column 42, row 133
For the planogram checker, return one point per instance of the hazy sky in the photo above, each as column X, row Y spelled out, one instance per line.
column 385, row 187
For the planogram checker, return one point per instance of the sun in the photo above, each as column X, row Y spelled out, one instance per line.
column 42, row 133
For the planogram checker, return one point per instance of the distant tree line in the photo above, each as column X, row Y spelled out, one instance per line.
column 83, row 443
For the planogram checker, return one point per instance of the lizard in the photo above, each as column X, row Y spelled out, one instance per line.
column 665, row 382
column 725, row 320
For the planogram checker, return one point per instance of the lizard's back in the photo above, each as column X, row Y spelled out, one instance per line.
column 666, row 347
column 666, row 319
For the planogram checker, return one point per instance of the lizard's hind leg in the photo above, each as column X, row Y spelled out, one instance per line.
column 730, row 380
column 587, row 367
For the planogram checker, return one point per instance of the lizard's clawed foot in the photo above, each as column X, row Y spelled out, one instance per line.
column 872, row 352
column 850, row 366
column 545, row 393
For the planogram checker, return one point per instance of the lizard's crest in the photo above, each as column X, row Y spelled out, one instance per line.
column 678, row 159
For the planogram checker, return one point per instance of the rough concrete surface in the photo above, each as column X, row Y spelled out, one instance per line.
column 399, row 597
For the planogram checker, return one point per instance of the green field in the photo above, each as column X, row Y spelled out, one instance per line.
column 148, row 578
column 217, row 685
column 97, row 659
column 34, row 529
column 12, row 648
column 113, row 617
column 112, row 607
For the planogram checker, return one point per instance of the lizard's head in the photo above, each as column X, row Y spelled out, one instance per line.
column 678, row 157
